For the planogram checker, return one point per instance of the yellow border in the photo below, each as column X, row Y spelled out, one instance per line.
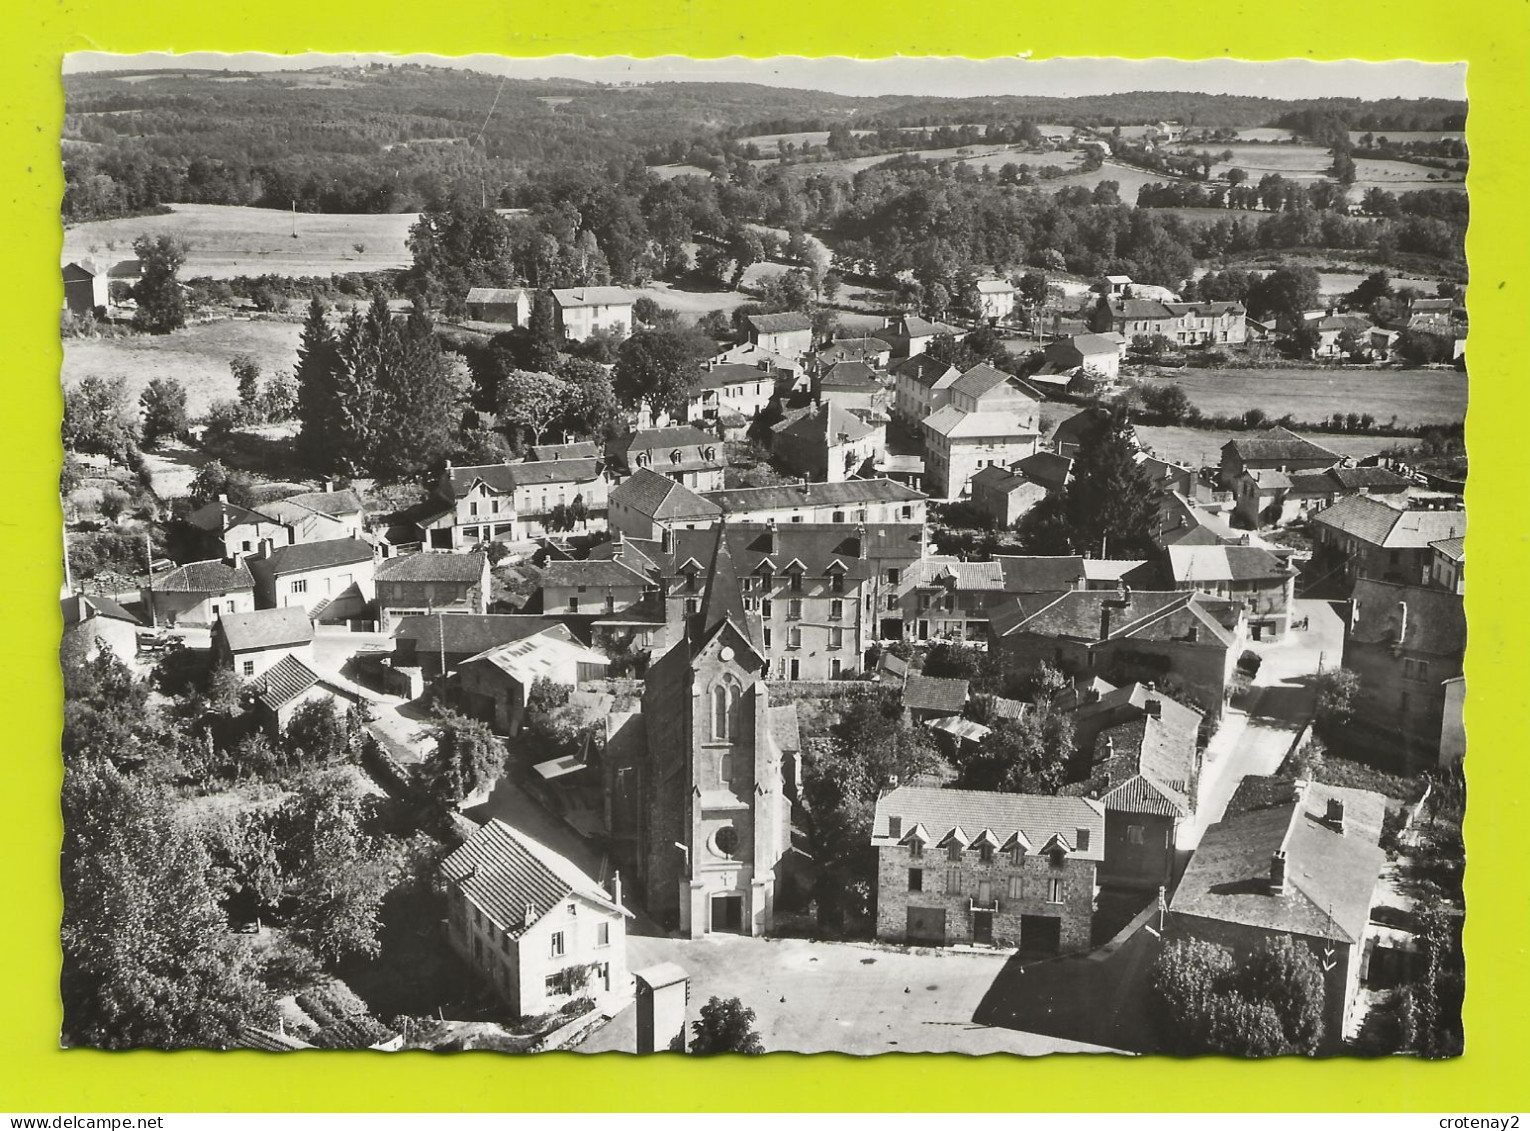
column 1493, row 35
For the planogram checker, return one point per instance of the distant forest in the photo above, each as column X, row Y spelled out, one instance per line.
column 403, row 137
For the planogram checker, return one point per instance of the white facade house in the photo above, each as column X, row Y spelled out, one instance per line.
column 990, row 421
column 582, row 311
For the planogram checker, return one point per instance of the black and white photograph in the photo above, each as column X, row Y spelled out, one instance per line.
column 750, row 556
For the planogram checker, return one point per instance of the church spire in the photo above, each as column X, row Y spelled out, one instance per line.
column 723, row 600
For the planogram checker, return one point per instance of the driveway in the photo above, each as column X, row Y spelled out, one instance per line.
column 856, row 998
column 1256, row 740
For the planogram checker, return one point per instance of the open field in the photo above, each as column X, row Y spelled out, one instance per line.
column 1408, row 135
column 196, row 356
column 1265, row 133
column 1129, row 179
column 1417, row 396
column 228, row 240
column 1201, row 447
column 670, row 172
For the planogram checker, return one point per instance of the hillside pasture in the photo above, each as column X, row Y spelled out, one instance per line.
column 1407, row 135
column 1403, row 176
column 1129, row 179
column 1416, row 396
column 670, row 172
column 228, row 240
column 197, row 356
column 1300, row 161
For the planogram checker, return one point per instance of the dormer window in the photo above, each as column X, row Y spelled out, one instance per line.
column 642, row 460
column 710, row 455
column 674, row 456
column 836, row 583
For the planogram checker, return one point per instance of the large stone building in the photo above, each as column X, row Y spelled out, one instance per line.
column 514, row 502
column 582, row 311
column 1004, row 869
column 696, row 786
column 1363, row 537
column 852, row 501
column 989, row 421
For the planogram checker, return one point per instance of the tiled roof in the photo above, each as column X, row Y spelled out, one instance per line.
column 504, row 478
column 1193, row 564
column 515, row 880
column 1452, row 548
column 1277, row 443
column 1427, row 619
column 320, row 555
column 219, row 516
column 558, row 574
column 1041, row 574
column 994, row 287
column 1374, row 521
column 849, row 375
column 1368, row 478
column 642, row 554
column 1148, row 762
column 925, row 370
column 730, row 373
column 1006, row 815
column 1204, row 309
column 1330, row 876
column 664, row 439
column 780, row 323
column 931, row 693
column 265, row 628
column 1086, row 345
column 431, row 565
column 852, row 349
column 952, row 422
column 658, row 496
column 825, row 425
column 469, row 633
column 592, row 296
column 495, row 294
column 964, row 576
column 981, row 378
column 284, row 681
column 1047, row 468
column 204, row 577
column 848, row 493
column 336, row 504
column 817, row 545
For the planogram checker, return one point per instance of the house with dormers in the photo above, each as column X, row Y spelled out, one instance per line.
column 696, row 781
column 685, row 454
column 806, row 584
column 1008, row 870
column 529, row 922
column 514, row 502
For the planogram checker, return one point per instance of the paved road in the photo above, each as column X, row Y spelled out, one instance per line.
column 838, row 997
column 1256, row 741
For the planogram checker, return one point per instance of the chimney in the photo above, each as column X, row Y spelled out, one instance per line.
column 236, row 559
column 531, row 915
column 667, row 540
column 616, row 888
column 1153, row 708
column 618, row 543
column 266, row 547
column 770, row 536
column 860, row 541
column 328, row 483
column 1402, row 621
column 1334, row 817
column 1278, row 872
column 895, row 826
column 1104, row 620
column 222, row 498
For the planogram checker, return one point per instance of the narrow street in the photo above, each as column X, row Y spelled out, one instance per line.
column 1255, row 740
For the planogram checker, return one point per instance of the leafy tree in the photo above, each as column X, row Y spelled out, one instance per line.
column 213, row 479
column 467, row 756
column 830, row 286
column 457, row 247
column 246, row 371
column 590, row 408
column 1238, row 1026
column 1286, row 975
column 1169, row 403
column 164, row 411
column 161, row 305
column 148, row 957
column 1373, row 288
column 543, row 336
column 318, row 389
column 1109, row 503
column 1305, row 340
column 725, row 1026
column 532, row 401
column 317, row 734
column 97, row 420
column 1337, row 689
column 1285, row 291
column 645, row 310
column 278, row 398
column 420, row 393
column 659, row 368
column 1025, row 755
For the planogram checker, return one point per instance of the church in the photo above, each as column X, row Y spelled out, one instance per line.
column 696, row 781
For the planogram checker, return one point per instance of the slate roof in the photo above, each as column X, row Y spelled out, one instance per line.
column 825, row 425
column 722, row 373
column 1146, row 615
column 579, row 449
column 515, row 880
column 852, row 349
column 469, row 633
column 980, row 379
column 1085, row 345
column 925, row 370
column 1073, row 429
column 785, row 728
column 82, row 607
column 666, row 439
column 658, row 496
column 592, row 296
column 504, row 478
column 1277, row 443
column 429, row 565
column 848, row 493
column 964, row 576
column 558, row 574
column 953, row 423
column 1199, row 564
column 780, row 323
column 284, row 681
column 1046, row 468
column 931, row 693
column 1330, row 876
column 1000, row 479
column 265, row 628
column 1041, row 574
column 1145, row 309
column 817, row 545
column 641, row 554
column 1434, row 621
column 211, row 576
column 1371, row 520
column 1006, row 815
column 335, row 504
column 849, row 375
column 320, row 555
column 994, row 287
column 1148, row 762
